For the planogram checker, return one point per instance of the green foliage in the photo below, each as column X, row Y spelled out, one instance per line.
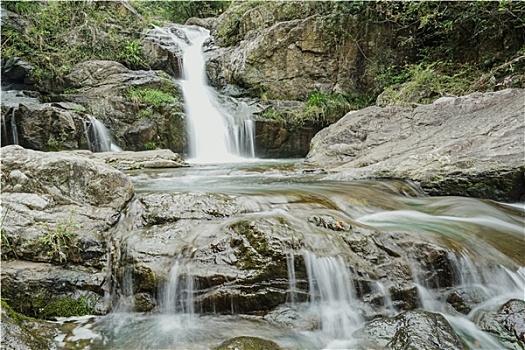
column 145, row 113
column 60, row 34
column 61, row 242
column 150, row 145
column 273, row 114
column 45, row 307
column 53, row 145
column 149, row 96
column 132, row 55
column 426, row 83
column 180, row 11
column 7, row 247
column 326, row 108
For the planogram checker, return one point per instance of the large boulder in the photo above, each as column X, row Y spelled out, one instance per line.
column 57, row 210
column 410, row 330
column 133, row 105
column 469, row 146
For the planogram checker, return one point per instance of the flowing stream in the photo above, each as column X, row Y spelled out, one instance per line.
column 215, row 135
column 323, row 310
column 336, row 253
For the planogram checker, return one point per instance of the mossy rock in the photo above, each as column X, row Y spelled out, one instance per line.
column 248, row 343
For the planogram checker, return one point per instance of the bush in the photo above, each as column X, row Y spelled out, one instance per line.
column 149, row 96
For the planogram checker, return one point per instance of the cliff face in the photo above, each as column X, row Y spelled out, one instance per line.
column 290, row 58
column 288, row 50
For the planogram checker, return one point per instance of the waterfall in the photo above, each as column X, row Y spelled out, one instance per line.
column 215, row 136
column 14, row 130
column 99, row 139
column 332, row 295
column 178, row 296
column 292, row 294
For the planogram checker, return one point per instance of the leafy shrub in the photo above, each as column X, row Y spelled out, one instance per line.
column 149, row 96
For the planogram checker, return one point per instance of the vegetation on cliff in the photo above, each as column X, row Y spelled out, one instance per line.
column 408, row 52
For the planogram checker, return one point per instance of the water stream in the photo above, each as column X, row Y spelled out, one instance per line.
column 325, row 308
column 269, row 249
column 215, row 134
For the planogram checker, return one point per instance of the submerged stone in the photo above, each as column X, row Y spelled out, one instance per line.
column 248, row 343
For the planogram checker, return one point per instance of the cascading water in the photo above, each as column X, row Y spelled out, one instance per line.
column 14, row 129
column 98, row 137
column 178, row 296
column 279, row 221
column 215, row 136
column 332, row 295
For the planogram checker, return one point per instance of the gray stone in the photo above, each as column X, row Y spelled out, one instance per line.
column 468, row 146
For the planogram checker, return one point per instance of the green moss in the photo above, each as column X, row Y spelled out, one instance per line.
column 45, row 307
column 150, row 145
column 12, row 313
column 145, row 113
column 149, row 96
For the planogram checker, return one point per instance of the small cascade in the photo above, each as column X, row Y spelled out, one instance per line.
column 178, row 296
column 99, row 139
column 292, row 290
column 332, row 295
column 5, row 135
column 243, row 139
column 14, row 130
column 215, row 136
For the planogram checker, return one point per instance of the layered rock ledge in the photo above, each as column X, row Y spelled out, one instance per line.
column 469, row 146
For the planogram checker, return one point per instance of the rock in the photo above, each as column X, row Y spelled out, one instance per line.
column 138, row 160
column 512, row 316
column 467, row 146
column 283, row 49
column 209, row 23
column 274, row 139
column 21, row 333
column 505, row 322
column 410, row 330
column 248, row 343
column 57, row 209
column 104, row 88
column 162, row 52
column 45, row 291
column 46, row 128
column 18, row 70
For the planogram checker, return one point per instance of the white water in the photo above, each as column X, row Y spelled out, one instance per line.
column 332, row 296
column 214, row 135
column 178, row 296
column 14, row 130
column 98, row 137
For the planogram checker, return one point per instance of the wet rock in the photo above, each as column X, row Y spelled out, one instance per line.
column 248, row 343
column 410, row 330
column 45, row 291
column 505, row 322
column 512, row 316
column 404, row 297
column 21, row 333
column 138, row 160
column 436, row 269
column 104, row 88
column 47, row 128
column 430, row 145
column 274, row 139
column 165, row 208
column 464, row 300
column 162, row 52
